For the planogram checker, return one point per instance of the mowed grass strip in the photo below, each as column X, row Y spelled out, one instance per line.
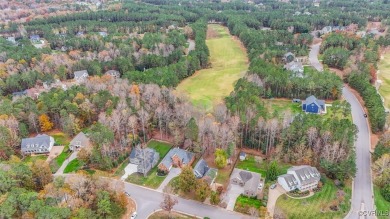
column 380, row 203
column 228, row 64
column 384, row 75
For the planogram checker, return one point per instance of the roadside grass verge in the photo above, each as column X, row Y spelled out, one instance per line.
column 380, row 203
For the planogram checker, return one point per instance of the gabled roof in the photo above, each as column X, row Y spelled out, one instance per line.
column 34, row 37
column 306, row 174
column 294, row 66
column 290, row 180
column 36, row 142
column 313, row 99
column 79, row 74
column 19, row 93
column 114, row 73
column 184, row 155
column 148, row 155
column 201, row 168
column 242, row 154
column 80, row 139
column 250, row 179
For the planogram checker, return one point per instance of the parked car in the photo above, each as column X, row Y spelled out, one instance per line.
column 272, row 186
column 134, row 215
column 127, row 193
column 365, row 115
column 260, row 186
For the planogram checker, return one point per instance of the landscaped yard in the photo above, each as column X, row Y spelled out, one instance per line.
column 384, row 75
column 259, row 166
column 120, row 170
column 380, row 203
column 252, row 202
column 73, row 166
column 223, row 176
column 60, row 138
column 228, row 63
column 316, row 206
column 32, row 159
column 164, row 215
column 151, row 180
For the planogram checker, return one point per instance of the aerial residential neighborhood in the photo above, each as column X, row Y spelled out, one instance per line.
column 231, row 109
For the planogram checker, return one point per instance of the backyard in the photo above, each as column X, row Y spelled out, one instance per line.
column 384, row 75
column 318, row 205
column 32, row 159
column 258, row 165
column 380, row 203
column 243, row 204
column 228, row 63
column 152, row 180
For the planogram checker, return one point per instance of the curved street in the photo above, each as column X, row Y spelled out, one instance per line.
column 362, row 194
column 362, row 191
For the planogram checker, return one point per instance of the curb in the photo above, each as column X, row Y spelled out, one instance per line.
column 157, row 210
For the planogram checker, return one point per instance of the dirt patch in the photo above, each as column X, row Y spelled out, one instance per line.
column 211, row 33
column 339, row 72
column 317, row 40
column 130, row 207
column 374, row 140
column 253, row 152
column 157, row 135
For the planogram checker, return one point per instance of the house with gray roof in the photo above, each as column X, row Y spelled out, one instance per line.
column 35, row 39
column 79, row 141
column 202, row 170
column 113, row 73
column 81, row 75
column 288, row 57
column 176, row 157
column 313, row 105
column 144, row 158
column 39, row 144
column 11, row 40
column 302, row 178
column 249, row 180
column 296, row 67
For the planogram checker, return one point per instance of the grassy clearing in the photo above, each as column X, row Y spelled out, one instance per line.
column 223, row 176
column 252, row 165
column 279, row 106
column 384, row 75
column 173, row 214
column 380, row 203
column 73, row 166
column 228, row 63
column 316, row 206
column 151, row 180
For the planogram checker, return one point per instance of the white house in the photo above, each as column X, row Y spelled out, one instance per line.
column 302, row 178
column 81, row 75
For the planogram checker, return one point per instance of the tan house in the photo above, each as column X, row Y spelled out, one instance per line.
column 249, row 180
column 79, row 141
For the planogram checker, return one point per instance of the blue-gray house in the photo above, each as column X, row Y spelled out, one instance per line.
column 313, row 105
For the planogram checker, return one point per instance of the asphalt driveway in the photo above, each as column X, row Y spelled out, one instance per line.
column 273, row 196
column 232, row 195
column 129, row 169
column 172, row 174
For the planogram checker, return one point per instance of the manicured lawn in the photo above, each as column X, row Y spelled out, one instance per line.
column 60, row 138
column 380, row 203
column 64, row 154
column 164, row 215
column 228, row 63
column 73, row 166
column 316, row 206
column 151, row 180
column 384, row 75
column 252, row 165
column 32, row 159
column 251, row 202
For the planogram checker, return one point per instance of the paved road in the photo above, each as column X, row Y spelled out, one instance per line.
column 313, row 57
column 149, row 200
column 172, row 174
column 362, row 185
column 66, row 162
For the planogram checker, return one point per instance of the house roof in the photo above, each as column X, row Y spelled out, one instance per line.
column 184, row 155
column 201, row 168
column 290, row 180
column 210, row 175
column 313, row 99
column 306, row 174
column 146, row 154
column 112, row 72
column 36, row 142
column 34, row 37
column 19, row 93
column 288, row 54
column 294, row 66
column 80, row 139
column 250, row 179
column 79, row 74
column 242, row 154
